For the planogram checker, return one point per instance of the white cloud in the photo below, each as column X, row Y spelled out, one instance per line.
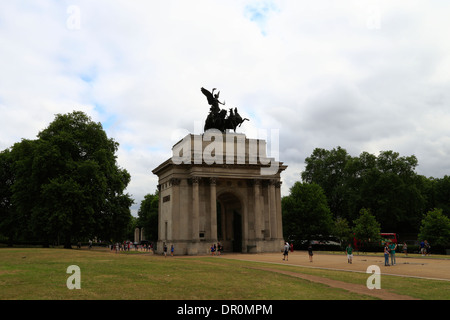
column 365, row 75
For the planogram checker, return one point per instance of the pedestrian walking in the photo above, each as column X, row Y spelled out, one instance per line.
column 349, row 251
column 392, row 247
column 422, row 247
column 427, row 248
column 386, row 255
column 165, row 251
column 286, row 252
column 219, row 248
column 171, row 250
column 405, row 248
column 310, row 253
column 213, row 249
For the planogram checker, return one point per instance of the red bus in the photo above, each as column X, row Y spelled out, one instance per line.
column 385, row 237
column 388, row 237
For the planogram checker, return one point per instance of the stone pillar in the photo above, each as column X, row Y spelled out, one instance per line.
column 267, row 217
column 160, row 224
column 257, row 206
column 175, row 227
column 278, row 209
column 195, row 208
column 213, row 209
column 136, row 235
column 272, row 210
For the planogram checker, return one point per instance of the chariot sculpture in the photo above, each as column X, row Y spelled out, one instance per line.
column 218, row 118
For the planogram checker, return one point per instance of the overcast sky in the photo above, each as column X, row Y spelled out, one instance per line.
column 363, row 75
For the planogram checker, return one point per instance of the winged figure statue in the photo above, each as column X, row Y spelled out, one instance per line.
column 217, row 118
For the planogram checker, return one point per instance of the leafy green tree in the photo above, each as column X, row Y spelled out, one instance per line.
column 366, row 228
column 68, row 185
column 327, row 168
column 386, row 184
column 306, row 214
column 8, row 225
column 435, row 228
column 342, row 230
column 396, row 199
column 131, row 228
column 148, row 216
column 440, row 195
column 24, row 192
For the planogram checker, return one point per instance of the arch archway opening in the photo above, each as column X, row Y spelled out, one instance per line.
column 229, row 222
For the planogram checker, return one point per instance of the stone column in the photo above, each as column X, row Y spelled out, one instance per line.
column 136, row 235
column 175, row 217
column 278, row 209
column 272, row 210
column 267, row 217
column 257, row 206
column 160, row 201
column 213, row 208
column 195, row 208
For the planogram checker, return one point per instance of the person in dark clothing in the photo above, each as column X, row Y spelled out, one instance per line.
column 310, row 253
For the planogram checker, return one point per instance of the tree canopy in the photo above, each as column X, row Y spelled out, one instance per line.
column 367, row 228
column 387, row 184
column 148, row 216
column 366, row 195
column 306, row 215
column 435, row 228
column 66, row 185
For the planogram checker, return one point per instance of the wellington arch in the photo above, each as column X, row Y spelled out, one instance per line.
column 220, row 187
column 201, row 204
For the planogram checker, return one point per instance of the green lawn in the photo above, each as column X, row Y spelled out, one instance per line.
column 36, row 273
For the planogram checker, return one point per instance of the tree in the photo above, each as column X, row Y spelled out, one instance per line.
column 396, row 200
column 306, row 215
column 386, row 184
column 68, row 185
column 435, row 228
column 441, row 195
column 327, row 168
column 342, row 230
column 8, row 225
column 366, row 228
column 148, row 215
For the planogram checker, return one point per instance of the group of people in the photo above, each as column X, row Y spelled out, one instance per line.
column 128, row 245
column 425, row 248
column 290, row 247
column 389, row 250
column 287, row 247
column 216, row 250
column 172, row 249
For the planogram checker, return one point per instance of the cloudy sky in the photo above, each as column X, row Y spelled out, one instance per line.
column 363, row 75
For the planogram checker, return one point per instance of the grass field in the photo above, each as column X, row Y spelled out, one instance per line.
column 37, row 273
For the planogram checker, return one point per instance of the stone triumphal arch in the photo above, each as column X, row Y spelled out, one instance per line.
column 220, row 187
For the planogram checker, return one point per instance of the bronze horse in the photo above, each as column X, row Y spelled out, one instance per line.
column 217, row 118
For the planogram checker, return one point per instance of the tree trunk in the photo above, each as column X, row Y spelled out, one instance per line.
column 67, row 243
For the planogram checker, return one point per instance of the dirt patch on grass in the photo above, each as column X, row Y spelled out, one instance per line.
column 2, row 272
column 355, row 288
column 428, row 268
column 425, row 268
